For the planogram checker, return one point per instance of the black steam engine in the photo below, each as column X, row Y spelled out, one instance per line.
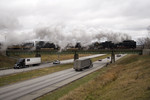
column 127, row 44
column 43, row 45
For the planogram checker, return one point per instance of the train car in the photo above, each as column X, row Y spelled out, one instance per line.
column 107, row 45
column 28, row 45
column 82, row 64
column 127, row 44
column 45, row 44
column 26, row 62
column 15, row 47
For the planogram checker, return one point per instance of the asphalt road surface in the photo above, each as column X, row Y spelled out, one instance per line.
column 31, row 89
column 11, row 71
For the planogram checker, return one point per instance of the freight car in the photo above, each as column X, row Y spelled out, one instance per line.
column 82, row 64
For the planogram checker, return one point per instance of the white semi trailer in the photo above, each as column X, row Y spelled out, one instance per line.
column 26, row 62
column 82, row 64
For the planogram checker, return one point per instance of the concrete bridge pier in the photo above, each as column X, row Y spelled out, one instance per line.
column 76, row 56
column 112, row 57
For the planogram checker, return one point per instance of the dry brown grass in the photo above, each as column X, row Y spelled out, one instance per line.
column 127, row 81
column 48, row 57
column 45, row 58
column 61, row 57
column 17, row 77
column 4, row 62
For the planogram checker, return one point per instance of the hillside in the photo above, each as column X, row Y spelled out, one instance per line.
column 128, row 79
column 6, row 62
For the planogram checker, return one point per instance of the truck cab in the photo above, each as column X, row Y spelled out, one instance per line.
column 20, row 64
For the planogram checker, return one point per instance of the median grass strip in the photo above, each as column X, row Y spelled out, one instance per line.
column 13, row 78
column 51, row 57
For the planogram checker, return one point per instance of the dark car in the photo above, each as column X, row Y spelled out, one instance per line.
column 100, row 60
column 118, row 55
column 108, row 57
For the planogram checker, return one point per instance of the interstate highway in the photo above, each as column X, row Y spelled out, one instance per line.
column 12, row 71
column 31, row 89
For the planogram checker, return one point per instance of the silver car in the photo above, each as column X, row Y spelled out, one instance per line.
column 56, row 62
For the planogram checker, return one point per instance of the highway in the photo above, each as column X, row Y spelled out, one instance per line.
column 31, row 89
column 12, row 71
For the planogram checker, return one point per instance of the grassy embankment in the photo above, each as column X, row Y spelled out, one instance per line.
column 13, row 78
column 127, row 79
column 7, row 62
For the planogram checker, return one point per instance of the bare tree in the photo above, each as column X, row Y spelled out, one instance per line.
column 145, row 42
column 141, row 42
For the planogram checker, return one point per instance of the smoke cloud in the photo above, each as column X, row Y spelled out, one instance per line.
column 64, row 34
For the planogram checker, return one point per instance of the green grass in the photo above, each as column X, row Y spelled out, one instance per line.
column 13, row 78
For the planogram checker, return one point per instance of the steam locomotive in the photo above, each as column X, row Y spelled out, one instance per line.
column 38, row 45
column 127, row 44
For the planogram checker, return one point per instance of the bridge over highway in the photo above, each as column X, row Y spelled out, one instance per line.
column 100, row 51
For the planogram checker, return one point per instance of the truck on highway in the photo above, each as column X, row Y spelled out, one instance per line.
column 82, row 64
column 26, row 62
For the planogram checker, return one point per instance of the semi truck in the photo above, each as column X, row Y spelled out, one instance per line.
column 81, row 64
column 26, row 62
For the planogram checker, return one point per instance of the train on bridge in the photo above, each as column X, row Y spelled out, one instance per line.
column 49, row 46
column 127, row 44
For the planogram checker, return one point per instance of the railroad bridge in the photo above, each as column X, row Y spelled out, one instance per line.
column 109, row 51
column 77, row 52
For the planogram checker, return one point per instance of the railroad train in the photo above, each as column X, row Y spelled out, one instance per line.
column 36, row 45
column 127, row 44
column 46, row 45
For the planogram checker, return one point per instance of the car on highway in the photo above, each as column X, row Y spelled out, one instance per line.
column 108, row 57
column 100, row 60
column 56, row 62
column 118, row 55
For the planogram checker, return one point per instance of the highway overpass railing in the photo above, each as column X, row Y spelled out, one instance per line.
column 101, row 51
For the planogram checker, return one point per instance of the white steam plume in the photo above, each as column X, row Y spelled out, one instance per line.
column 63, row 34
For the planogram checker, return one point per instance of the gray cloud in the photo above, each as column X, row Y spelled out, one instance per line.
column 30, row 17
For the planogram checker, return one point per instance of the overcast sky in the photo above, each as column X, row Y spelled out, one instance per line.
column 24, row 16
